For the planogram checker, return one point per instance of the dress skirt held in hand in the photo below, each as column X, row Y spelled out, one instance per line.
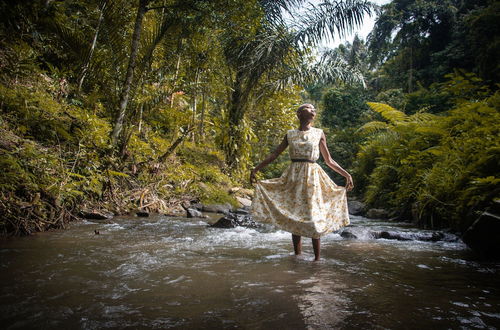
column 304, row 200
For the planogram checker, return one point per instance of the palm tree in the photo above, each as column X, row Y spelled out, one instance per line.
column 134, row 50
column 278, row 51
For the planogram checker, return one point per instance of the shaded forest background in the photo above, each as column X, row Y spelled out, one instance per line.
column 126, row 105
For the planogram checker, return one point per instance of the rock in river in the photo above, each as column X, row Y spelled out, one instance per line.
column 193, row 213
column 377, row 214
column 213, row 208
column 483, row 236
column 355, row 207
column 231, row 220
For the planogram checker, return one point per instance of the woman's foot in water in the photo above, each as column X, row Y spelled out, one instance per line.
column 297, row 244
column 316, row 247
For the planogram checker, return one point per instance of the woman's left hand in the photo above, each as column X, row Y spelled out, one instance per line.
column 349, row 184
column 252, row 177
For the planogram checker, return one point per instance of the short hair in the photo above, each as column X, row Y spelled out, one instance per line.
column 303, row 106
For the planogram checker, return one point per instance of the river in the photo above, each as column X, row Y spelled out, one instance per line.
column 161, row 272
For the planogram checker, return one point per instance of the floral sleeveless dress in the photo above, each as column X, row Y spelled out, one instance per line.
column 304, row 200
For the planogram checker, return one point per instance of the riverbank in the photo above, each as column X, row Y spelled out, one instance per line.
column 57, row 161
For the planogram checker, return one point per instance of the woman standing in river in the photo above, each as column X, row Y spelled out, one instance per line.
column 304, row 200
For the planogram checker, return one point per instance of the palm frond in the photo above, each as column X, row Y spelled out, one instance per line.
column 330, row 19
column 270, row 45
column 115, row 33
column 332, row 67
column 151, row 40
column 74, row 39
column 110, row 51
column 273, row 9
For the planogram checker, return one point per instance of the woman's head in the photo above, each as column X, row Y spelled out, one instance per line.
column 306, row 112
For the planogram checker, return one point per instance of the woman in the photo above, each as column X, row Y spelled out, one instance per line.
column 304, row 200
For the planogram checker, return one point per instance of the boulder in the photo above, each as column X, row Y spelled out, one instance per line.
column 193, row 213
column 377, row 214
column 355, row 207
column 416, row 236
column 242, row 211
column 483, row 236
column 244, row 201
column 392, row 235
column 232, row 220
column 246, row 192
column 348, row 235
column 197, row 206
column 225, row 222
column 142, row 214
column 217, row 208
column 241, row 192
column 95, row 214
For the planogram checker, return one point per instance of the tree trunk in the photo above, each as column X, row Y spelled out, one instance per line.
column 174, row 145
column 236, row 111
column 141, row 109
column 177, row 67
column 410, row 72
column 201, row 133
column 92, row 47
column 195, row 102
column 136, row 36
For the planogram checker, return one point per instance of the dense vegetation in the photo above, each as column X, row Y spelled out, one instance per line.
column 122, row 105
column 423, row 137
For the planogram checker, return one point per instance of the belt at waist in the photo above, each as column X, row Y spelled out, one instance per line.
column 303, row 160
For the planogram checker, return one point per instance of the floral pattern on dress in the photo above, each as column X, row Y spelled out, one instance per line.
column 304, row 200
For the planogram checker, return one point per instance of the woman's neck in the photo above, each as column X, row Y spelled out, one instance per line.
column 305, row 126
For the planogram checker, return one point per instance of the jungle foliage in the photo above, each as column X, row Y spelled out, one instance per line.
column 146, row 104
column 422, row 138
column 436, row 169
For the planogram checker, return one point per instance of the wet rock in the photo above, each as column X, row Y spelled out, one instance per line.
column 95, row 215
column 377, row 214
column 197, row 206
column 355, row 207
column 348, row 235
column 392, row 235
column 483, row 236
column 142, row 214
column 232, row 220
column 217, row 208
column 416, row 236
column 244, row 201
column 242, row 211
column 193, row 213
column 241, row 192
column 225, row 222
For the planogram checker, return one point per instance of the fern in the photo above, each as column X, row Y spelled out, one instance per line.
column 389, row 113
column 373, row 127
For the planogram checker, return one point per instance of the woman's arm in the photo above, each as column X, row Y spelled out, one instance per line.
column 333, row 164
column 279, row 149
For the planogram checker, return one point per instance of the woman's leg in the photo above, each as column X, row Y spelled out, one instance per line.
column 316, row 247
column 297, row 244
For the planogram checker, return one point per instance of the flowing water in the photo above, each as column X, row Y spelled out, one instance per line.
column 161, row 272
